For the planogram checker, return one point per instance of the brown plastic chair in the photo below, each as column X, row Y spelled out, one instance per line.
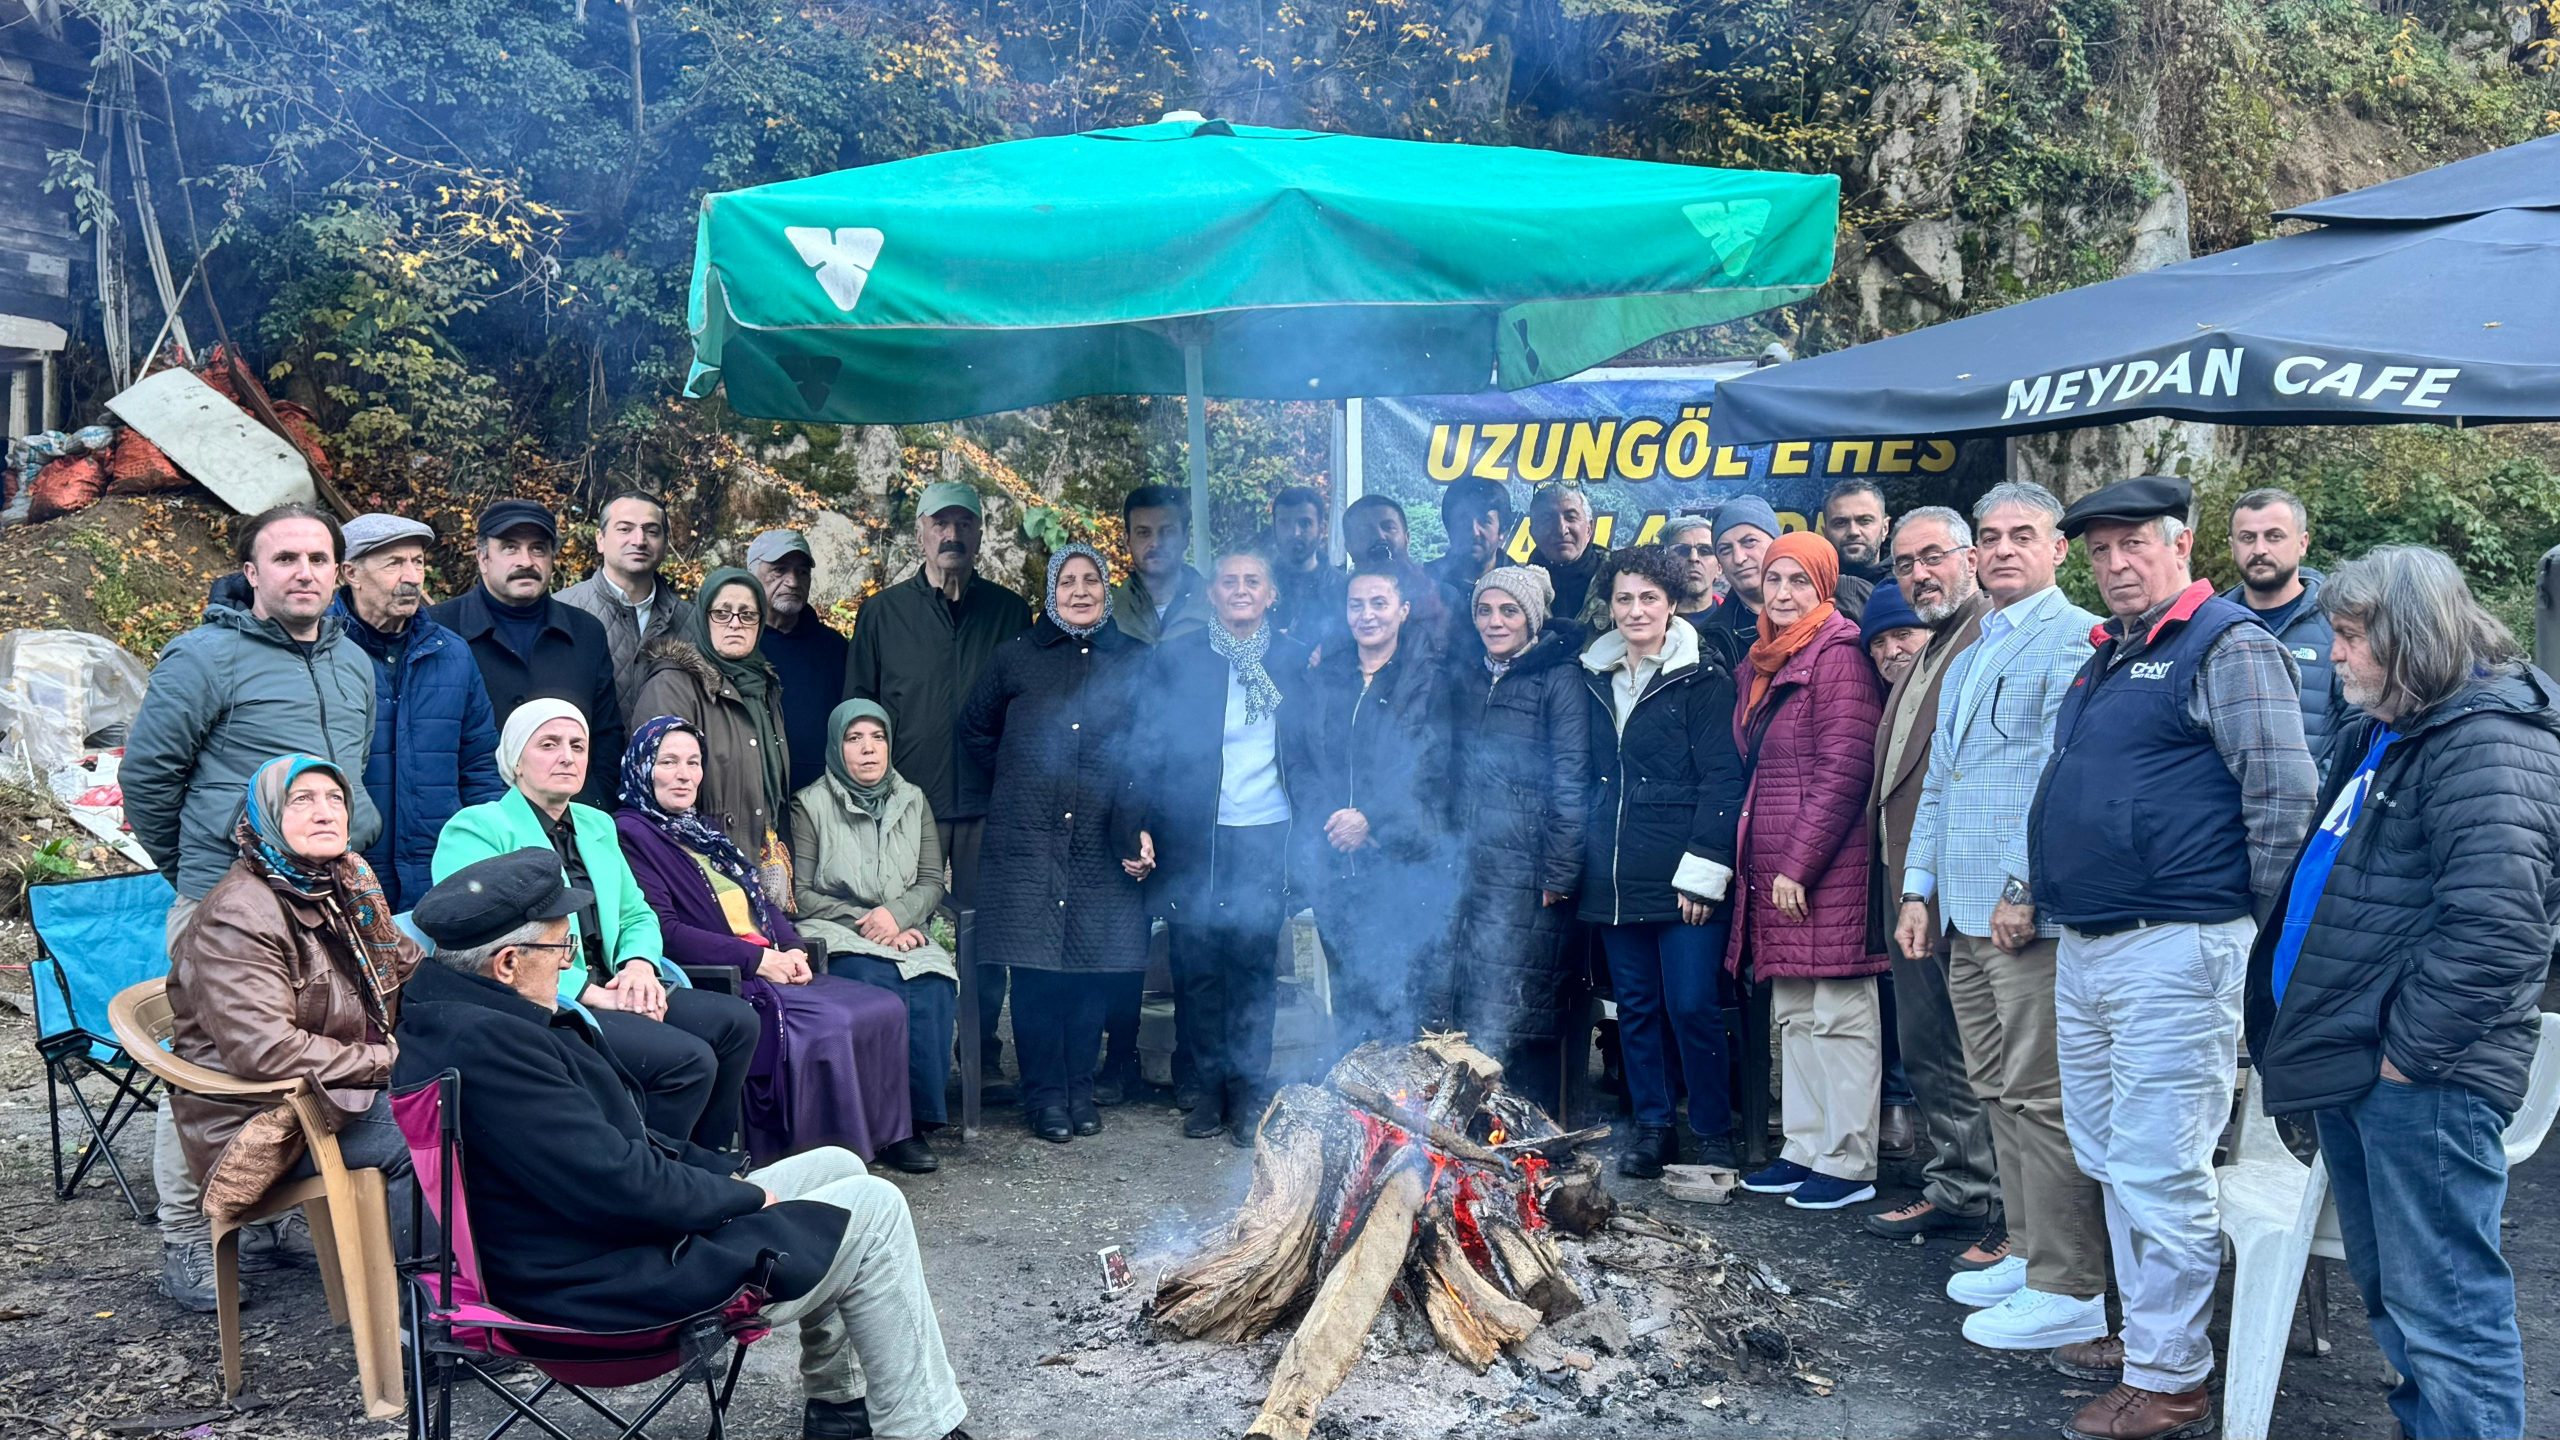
column 350, row 1228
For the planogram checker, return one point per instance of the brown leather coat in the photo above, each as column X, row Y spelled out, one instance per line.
column 258, row 989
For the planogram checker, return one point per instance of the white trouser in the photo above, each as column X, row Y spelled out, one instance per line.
column 870, row 1320
column 2147, row 1025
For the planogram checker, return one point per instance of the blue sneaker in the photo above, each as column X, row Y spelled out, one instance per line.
column 1824, row 1192
column 1780, row 1177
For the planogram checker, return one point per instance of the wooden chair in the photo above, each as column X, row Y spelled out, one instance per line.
column 350, row 1227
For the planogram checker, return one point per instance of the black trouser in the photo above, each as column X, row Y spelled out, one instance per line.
column 1225, row 961
column 372, row 1141
column 691, row 1066
column 1057, row 1031
column 1121, row 1013
column 960, row 843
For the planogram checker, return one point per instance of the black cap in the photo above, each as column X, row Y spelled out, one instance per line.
column 502, row 516
column 487, row 898
column 2144, row 497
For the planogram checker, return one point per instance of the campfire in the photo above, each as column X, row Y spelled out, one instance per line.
column 1413, row 1176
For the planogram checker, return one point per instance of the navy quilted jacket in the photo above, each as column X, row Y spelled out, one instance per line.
column 435, row 744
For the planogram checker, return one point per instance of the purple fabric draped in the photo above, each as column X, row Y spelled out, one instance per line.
column 831, row 1057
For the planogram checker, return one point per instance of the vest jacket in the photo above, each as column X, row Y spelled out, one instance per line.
column 2138, row 818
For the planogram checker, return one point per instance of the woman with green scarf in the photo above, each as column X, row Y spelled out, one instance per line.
column 868, row 866
column 709, row 673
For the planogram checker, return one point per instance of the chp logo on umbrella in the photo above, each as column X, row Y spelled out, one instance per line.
column 843, row 258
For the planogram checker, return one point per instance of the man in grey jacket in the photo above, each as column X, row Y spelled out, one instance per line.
column 2270, row 533
column 242, row 688
column 626, row 594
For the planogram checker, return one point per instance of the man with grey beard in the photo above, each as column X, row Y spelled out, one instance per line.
column 435, row 738
column 1932, row 564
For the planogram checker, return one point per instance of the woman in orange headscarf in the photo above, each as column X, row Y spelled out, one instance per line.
column 1805, row 715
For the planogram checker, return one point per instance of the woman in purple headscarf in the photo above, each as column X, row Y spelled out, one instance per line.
column 831, row 1055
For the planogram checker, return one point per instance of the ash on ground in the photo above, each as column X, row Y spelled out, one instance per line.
column 1674, row 1328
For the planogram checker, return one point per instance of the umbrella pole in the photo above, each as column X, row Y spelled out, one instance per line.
column 1196, row 414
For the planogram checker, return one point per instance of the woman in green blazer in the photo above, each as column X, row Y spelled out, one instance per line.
column 689, row 1049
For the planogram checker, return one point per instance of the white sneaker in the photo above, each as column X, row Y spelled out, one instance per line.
column 1984, row 1288
column 2033, row 1320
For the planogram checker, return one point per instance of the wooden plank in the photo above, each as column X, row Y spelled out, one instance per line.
column 36, row 211
column 31, row 270
column 35, row 104
column 53, row 310
column 214, row 442
column 20, row 332
column 20, row 132
column 76, row 248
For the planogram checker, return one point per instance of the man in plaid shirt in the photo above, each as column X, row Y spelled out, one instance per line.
column 2178, row 790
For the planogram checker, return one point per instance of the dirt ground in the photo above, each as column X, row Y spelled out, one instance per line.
column 88, row 1348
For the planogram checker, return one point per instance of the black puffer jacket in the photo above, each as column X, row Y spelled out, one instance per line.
column 2433, row 934
column 1182, row 739
column 1664, row 790
column 1520, row 783
column 1377, row 751
column 1050, row 723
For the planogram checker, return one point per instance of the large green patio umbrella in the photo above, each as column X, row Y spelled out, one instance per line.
column 1201, row 258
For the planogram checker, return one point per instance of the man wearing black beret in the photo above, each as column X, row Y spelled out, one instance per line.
column 2178, row 789
column 583, row 1217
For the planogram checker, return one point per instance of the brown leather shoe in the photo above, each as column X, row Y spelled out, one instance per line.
column 1899, row 1136
column 2101, row 1360
column 2128, row 1413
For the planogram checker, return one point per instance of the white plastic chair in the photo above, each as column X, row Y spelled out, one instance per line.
column 2276, row 1213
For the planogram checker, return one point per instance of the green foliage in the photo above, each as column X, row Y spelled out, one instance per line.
column 55, row 859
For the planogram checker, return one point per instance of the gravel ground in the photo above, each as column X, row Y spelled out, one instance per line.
column 1010, row 1226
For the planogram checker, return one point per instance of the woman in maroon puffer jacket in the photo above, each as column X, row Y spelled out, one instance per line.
column 1805, row 715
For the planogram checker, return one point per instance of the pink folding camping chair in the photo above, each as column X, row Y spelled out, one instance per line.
column 451, row 1324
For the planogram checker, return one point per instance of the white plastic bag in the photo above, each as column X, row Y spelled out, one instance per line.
column 63, row 694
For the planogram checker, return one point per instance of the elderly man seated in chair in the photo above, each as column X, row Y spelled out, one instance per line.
column 584, row 1217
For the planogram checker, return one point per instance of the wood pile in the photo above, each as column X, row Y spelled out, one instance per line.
column 1413, row 1173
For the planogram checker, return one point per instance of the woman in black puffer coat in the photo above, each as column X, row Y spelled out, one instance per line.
column 1369, row 812
column 1058, row 873
column 1520, row 781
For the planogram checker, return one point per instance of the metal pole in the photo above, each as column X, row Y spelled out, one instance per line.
column 1196, row 408
column 2546, row 615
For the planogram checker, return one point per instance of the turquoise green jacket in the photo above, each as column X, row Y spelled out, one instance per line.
column 509, row 823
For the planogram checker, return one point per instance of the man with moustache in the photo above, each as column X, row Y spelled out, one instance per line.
column 1912, row 642
column 530, row 645
column 1311, row 590
column 1853, row 520
column 1561, row 527
column 435, row 741
column 2177, row 794
column 625, row 594
column 1163, row 596
column 1476, row 516
column 2270, row 533
column 1967, row 894
column 804, row 650
column 1691, row 541
column 918, row 647
column 273, row 676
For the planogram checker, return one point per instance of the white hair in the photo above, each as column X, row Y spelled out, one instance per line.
column 475, row 959
column 1954, row 522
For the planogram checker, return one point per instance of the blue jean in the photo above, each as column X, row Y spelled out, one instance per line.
column 1667, row 979
column 932, row 1005
column 2420, row 1176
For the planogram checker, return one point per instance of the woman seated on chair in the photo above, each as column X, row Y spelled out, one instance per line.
column 689, row 1049
column 291, row 970
column 831, row 1055
column 867, row 863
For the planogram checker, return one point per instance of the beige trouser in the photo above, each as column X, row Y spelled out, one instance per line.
column 2004, row 1012
column 870, row 1318
column 1831, row 1045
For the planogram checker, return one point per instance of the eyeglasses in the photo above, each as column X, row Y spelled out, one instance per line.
column 544, row 945
column 1693, row 552
column 735, row 619
column 1903, row 565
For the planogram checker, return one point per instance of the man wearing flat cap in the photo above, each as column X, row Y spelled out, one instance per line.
column 530, row 645
column 804, row 650
column 435, row 740
column 585, row 1217
column 917, row 650
column 2178, row 790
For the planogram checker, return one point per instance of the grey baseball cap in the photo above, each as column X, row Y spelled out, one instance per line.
column 772, row 545
column 368, row 533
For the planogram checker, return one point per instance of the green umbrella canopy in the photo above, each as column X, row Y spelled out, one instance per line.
column 1289, row 264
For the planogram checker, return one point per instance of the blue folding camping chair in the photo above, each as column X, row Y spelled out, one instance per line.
column 94, row 938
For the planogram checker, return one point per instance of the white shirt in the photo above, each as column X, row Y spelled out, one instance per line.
column 1249, row 773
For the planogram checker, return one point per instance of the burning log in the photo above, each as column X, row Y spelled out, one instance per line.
column 1411, row 1161
column 1328, row 1340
